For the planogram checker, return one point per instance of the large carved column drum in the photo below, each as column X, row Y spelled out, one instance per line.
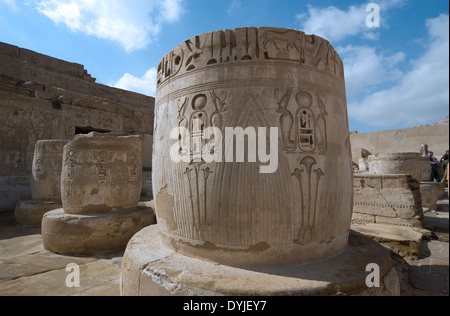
column 46, row 170
column 100, row 187
column 101, row 174
column 413, row 164
column 231, row 209
column 45, row 183
column 252, row 168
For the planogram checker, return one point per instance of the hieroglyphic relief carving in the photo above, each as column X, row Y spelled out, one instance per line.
column 101, row 165
column 170, row 65
column 308, row 175
column 100, row 173
column 83, row 117
column 270, row 78
column 322, row 55
column 283, row 44
column 321, row 135
column 286, row 119
column 197, row 176
column 69, row 161
column 250, row 44
column 133, row 166
column 16, row 142
column 303, row 127
column 204, row 112
column 304, row 133
column 305, row 122
column 195, row 114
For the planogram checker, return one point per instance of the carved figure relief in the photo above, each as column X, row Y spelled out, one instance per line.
column 69, row 163
column 197, row 177
column 170, row 65
column 250, row 44
column 83, row 117
column 304, row 133
column 101, row 165
column 280, row 81
column 194, row 116
column 283, row 44
column 132, row 169
column 303, row 125
column 14, row 141
column 202, row 116
column 309, row 177
column 321, row 135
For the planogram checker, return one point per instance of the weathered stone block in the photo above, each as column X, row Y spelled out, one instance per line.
column 431, row 192
column 101, row 173
column 74, row 234
column 46, row 170
column 30, row 213
column 401, row 163
column 393, row 199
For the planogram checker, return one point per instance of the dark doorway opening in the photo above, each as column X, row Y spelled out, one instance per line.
column 87, row 130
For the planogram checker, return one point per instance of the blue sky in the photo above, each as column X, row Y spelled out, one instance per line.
column 397, row 74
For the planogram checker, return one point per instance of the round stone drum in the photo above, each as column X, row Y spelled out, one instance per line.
column 101, row 173
column 252, row 148
column 46, row 170
column 401, row 163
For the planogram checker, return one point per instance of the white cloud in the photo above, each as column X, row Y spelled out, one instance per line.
column 332, row 23
column 335, row 24
column 421, row 95
column 145, row 84
column 134, row 24
column 365, row 68
column 171, row 10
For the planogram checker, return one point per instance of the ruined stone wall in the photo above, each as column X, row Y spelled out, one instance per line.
column 46, row 98
column 401, row 141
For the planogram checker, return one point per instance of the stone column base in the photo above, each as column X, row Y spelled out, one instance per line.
column 431, row 192
column 30, row 213
column 70, row 234
column 406, row 241
column 151, row 269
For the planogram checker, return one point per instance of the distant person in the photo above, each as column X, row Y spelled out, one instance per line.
column 434, row 164
column 444, row 163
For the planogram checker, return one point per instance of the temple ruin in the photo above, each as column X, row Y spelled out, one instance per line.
column 217, row 215
column 301, row 211
column 44, row 98
column 101, row 184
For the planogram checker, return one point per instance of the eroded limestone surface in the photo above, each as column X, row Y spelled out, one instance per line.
column 46, row 171
column 413, row 164
column 101, row 184
column 254, row 78
column 101, row 173
column 387, row 199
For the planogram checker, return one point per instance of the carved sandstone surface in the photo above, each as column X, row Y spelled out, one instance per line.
column 387, row 199
column 229, row 211
column 401, row 163
column 101, row 173
column 431, row 192
column 45, row 98
column 46, row 170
